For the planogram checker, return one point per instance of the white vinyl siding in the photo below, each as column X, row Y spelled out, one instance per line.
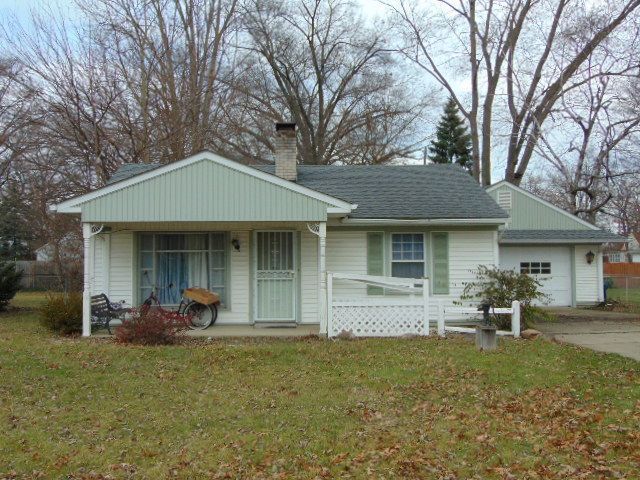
column 122, row 262
column 468, row 250
column 587, row 284
column 347, row 253
column 100, row 265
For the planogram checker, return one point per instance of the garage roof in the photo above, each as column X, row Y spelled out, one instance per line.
column 559, row 236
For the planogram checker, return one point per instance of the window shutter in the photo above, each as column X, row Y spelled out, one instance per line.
column 441, row 263
column 375, row 259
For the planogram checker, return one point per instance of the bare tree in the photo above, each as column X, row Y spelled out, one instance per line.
column 512, row 51
column 594, row 128
column 317, row 63
column 624, row 208
column 16, row 97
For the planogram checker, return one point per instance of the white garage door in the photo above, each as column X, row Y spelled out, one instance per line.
column 551, row 265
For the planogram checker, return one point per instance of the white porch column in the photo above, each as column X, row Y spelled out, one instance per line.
column 86, row 290
column 322, row 277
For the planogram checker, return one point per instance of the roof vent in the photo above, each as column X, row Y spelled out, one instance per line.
column 504, row 199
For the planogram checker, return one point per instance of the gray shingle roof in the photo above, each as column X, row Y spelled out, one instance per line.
column 129, row 170
column 564, row 236
column 387, row 191
column 401, row 191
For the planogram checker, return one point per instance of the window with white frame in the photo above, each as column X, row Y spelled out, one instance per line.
column 615, row 257
column 407, row 255
column 171, row 262
column 535, row 268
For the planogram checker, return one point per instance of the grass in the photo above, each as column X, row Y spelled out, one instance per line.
column 265, row 408
column 632, row 296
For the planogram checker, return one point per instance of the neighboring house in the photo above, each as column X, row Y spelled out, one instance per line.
column 628, row 252
column 633, row 248
column 70, row 249
column 264, row 237
column 560, row 249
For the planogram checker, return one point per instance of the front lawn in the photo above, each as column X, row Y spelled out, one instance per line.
column 406, row 408
column 630, row 296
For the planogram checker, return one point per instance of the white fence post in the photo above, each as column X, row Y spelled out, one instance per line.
column 515, row 319
column 425, row 305
column 441, row 319
column 329, row 304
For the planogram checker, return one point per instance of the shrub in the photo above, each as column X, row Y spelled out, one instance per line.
column 501, row 287
column 62, row 313
column 9, row 283
column 154, row 326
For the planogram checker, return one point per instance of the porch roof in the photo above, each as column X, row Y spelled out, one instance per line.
column 203, row 188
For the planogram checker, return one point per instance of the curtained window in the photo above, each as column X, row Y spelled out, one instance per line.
column 171, row 262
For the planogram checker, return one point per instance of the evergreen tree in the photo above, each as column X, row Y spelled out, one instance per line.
column 9, row 282
column 15, row 227
column 453, row 142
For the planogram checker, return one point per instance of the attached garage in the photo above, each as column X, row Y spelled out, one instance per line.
column 550, row 265
column 563, row 251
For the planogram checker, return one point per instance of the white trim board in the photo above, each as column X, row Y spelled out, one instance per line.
column 542, row 201
column 73, row 204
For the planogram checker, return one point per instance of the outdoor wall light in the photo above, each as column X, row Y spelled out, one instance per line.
column 236, row 244
column 590, row 256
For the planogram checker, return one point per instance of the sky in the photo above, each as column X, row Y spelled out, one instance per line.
column 20, row 11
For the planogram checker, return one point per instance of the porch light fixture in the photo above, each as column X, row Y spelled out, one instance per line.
column 236, row 244
column 590, row 256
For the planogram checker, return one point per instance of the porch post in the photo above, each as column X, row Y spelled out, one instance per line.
column 322, row 277
column 86, row 290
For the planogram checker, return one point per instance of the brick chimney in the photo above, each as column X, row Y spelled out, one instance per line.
column 286, row 151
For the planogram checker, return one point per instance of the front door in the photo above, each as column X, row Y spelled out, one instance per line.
column 275, row 277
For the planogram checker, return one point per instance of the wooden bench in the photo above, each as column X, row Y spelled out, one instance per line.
column 103, row 311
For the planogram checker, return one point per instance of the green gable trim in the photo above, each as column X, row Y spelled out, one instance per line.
column 440, row 248
column 531, row 213
column 375, row 259
column 204, row 191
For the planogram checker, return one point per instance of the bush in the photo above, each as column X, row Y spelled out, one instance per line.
column 9, row 283
column 62, row 313
column 154, row 326
column 501, row 287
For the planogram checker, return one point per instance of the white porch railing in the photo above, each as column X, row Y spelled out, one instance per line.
column 394, row 316
column 379, row 316
column 443, row 310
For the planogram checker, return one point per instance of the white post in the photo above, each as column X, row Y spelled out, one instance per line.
column 329, row 304
column 425, row 305
column 441, row 330
column 322, row 276
column 86, row 290
column 515, row 319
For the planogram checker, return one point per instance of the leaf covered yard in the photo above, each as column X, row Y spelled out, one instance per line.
column 236, row 408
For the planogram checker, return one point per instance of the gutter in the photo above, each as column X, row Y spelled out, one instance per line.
column 424, row 221
column 580, row 241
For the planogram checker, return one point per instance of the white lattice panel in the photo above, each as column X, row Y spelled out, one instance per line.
column 378, row 320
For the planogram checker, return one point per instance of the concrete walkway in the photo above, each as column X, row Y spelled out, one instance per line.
column 601, row 331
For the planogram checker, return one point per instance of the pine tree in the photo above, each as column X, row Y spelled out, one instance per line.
column 9, row 282
column 453, row 142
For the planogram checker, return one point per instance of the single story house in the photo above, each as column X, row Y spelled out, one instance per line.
column 264, row 237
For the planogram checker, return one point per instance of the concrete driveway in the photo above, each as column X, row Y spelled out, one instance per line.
column 609, row 332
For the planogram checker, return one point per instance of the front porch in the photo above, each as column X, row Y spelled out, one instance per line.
column 268, row 274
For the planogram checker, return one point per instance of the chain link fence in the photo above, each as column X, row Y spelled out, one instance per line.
column 623, row 288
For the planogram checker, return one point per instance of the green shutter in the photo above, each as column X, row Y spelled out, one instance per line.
column 375, row 259
column 440, row 263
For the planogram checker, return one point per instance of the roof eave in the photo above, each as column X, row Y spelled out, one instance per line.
column 72, row 205
column 424, row 221
column 581, row 241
